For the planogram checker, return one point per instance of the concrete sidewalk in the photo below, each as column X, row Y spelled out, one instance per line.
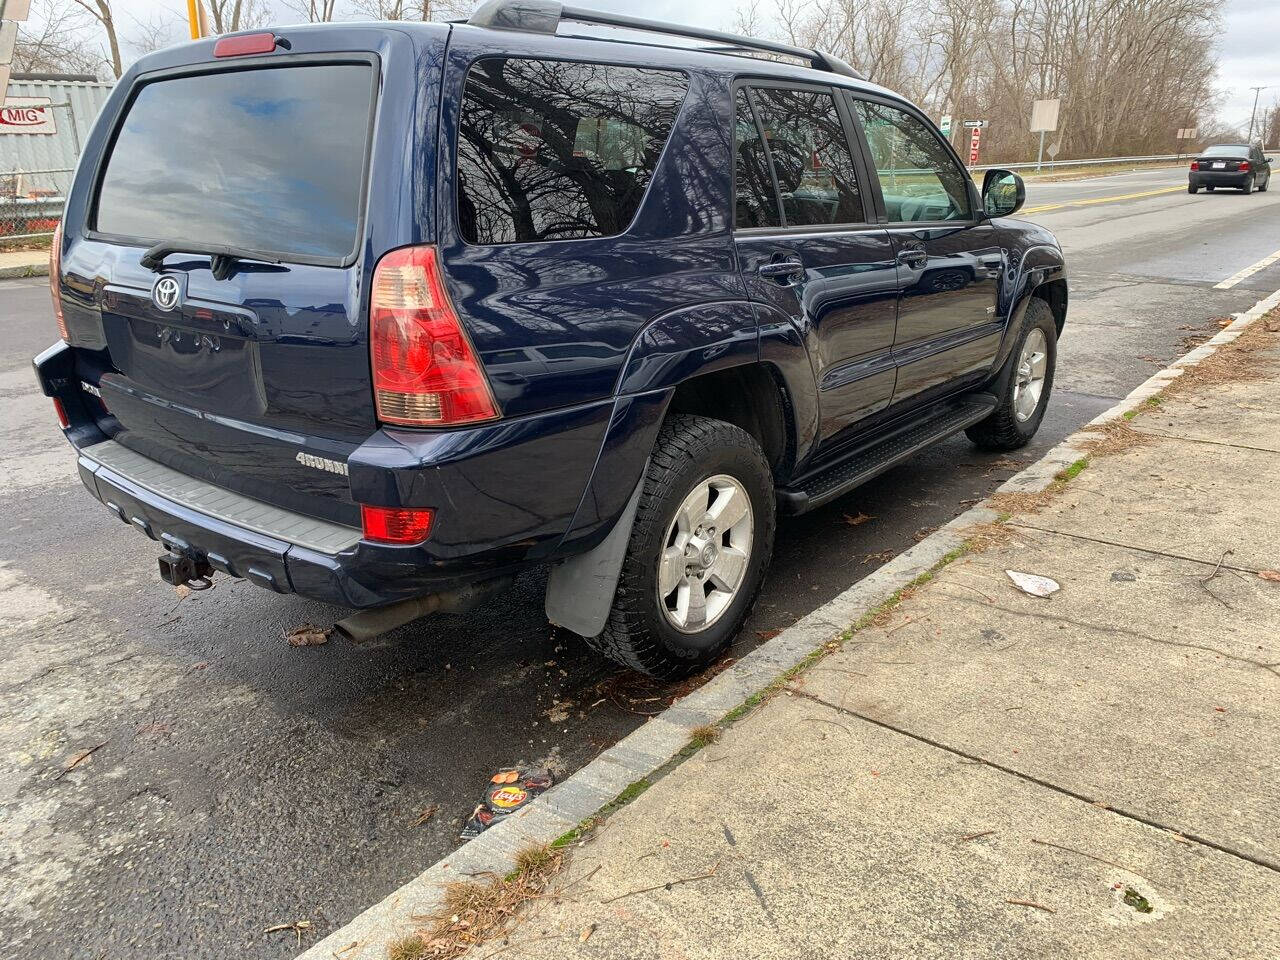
column 980, row 772
column 24, row 263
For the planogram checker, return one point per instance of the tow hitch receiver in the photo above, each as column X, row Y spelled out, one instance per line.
column 185, row 569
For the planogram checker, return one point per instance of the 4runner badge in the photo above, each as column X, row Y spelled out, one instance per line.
column 165, row 293
column 321, row 463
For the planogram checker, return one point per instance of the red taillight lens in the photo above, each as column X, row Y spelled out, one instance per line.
column 55, row 280
column 61, row 411
column 1244, row 166
column 245, row 45
column 396, row 524
column 425, row 371
column 1195, row 165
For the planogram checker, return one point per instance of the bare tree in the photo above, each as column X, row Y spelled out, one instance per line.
column 228, row 16
column 100, row 10
column 49, row 42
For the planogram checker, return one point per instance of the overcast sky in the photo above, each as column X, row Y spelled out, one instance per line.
column 1250, row 42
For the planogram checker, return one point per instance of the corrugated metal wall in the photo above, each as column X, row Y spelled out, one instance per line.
column 34, row 152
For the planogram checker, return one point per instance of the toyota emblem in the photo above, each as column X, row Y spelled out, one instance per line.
column 166, row 293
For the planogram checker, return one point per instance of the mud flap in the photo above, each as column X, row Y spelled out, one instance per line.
column 580, row 590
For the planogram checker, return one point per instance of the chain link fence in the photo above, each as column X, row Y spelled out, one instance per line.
column 31, row 205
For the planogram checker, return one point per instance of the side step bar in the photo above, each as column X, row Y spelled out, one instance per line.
column 881, row 454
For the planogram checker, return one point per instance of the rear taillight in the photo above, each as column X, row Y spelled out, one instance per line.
column 1195, row 165
column 400, row 525
column 425, row 371
column 61, row 411
column 245, row 45
column 1244, row 166
column 55, row 280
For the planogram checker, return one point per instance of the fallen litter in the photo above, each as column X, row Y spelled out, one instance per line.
column 508, row 791
column 298, row 926
column 425, row 815
column 307, row 635
column 1272, row 575
column 1033, row 584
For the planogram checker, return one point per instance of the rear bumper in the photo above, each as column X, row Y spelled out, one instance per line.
column 505, row 495
column 1211, row 178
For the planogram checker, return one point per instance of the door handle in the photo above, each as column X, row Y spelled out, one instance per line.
column 781, row 269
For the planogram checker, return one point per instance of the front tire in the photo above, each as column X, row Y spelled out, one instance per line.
column 698, row 551
column 1024, row 384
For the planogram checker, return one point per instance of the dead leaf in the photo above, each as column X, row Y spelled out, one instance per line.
column 858, row 519
column 586, row 933
column 767, row 634
column 307, row 635
column 425, row 815
column 182, row 590
column 298, row 926
column 1272, row 575
column 1033, row 584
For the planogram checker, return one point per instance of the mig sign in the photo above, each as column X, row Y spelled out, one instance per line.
column 27, row 115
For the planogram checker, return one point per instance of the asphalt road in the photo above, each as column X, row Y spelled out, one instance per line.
column 238, row 782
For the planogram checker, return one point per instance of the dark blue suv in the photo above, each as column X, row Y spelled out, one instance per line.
column 383, row 314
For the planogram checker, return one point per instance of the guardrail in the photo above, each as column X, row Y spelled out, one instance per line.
column 1096, row 161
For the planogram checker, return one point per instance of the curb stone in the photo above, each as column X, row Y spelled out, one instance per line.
column 24, row 270
column 657, row 743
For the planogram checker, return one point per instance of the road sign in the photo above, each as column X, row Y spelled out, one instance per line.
column 15, row 9
column 945, row 125
column 975, row 124
column 974, row 139
column 26, row 114
column 8, row 37
column 1044, row 116
column 1187, row 133
column 1054, row 149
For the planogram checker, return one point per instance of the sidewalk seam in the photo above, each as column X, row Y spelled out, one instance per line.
column 1130, row 546
column 659, row 743
column 1037, row 781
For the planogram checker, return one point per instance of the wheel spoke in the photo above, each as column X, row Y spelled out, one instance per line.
column 1039, row 361
column 694, row 508
column 670, row 571
column 726, row 572
column 693, row 602
column 729, row 509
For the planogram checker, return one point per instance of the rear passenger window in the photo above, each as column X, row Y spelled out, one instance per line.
column 757, row 204
column 549, row 150
column 811, row 157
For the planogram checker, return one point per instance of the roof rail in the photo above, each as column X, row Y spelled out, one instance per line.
column 545, row 16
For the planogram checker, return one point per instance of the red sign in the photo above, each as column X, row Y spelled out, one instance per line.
column 974, row 139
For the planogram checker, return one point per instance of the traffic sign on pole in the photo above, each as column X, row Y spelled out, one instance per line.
column 15, row 9
column 974, row 140
column 975, row 124
column 945, row 125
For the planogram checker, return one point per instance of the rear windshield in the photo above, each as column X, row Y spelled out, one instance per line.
column 1226, row 150
column 268, row 159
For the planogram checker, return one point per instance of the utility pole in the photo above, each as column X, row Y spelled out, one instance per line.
column 1254, row 113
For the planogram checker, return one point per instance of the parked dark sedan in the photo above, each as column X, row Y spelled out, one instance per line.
column 1230, row 165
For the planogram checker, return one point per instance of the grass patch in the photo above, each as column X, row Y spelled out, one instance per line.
column 412, row 947
column 1133, row 898
column 704, row 736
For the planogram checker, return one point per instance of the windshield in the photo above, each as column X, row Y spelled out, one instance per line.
column 1226, row 150
column 268, row 159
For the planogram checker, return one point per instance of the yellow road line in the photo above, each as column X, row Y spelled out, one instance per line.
column 1093, row 200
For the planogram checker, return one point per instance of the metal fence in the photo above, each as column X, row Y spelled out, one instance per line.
column 31, row 204
column 1096, row 161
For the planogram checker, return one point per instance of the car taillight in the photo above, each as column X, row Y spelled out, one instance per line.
column 425, row 371
column 400, row 525
column 55, row 280
column 1244, row 166
column 1195, row 165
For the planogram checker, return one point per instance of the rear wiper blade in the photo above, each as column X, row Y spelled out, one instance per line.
column 222, row 257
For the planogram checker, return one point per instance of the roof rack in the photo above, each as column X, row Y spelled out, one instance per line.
column 545, row 16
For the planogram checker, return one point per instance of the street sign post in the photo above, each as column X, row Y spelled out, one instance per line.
column 974, row 140
column 975, row 124
column 1044, row 119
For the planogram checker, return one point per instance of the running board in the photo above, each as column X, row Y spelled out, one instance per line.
column 883, row 453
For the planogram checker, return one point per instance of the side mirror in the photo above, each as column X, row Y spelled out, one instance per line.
column 1003, row 193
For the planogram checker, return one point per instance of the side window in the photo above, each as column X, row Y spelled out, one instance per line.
column 811, row 157
column 551, row 150
column 757, row 204
column 918, row 177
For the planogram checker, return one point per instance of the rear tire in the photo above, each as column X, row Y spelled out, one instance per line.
column 1265, row 183
column 1024, row 384
column 683, row 548
column 1192, row 188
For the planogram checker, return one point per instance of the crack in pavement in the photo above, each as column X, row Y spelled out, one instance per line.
column 1258, row 861
column 1134, row 547
column 1216, row 443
